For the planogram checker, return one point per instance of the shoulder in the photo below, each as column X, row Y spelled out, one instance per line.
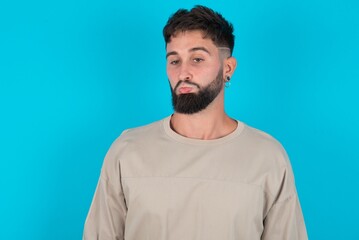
column 268, row 163
column 260, row 137
column 130, row 140
column 264, row 145
column 141, row 134
column 149, row 130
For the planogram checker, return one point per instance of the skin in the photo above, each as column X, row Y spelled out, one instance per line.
column 196, row 59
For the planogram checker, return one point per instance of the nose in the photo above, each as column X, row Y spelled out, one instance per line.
column 185, row 72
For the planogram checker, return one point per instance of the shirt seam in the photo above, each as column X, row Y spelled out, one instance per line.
column 205, row 179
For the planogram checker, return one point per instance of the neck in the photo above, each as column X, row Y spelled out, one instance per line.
column 210, row 123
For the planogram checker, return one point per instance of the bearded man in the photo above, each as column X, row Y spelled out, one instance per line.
column 197, row 174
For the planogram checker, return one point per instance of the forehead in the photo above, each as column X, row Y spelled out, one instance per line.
column 184, row 41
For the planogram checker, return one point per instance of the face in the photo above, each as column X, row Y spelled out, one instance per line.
column 194, row 70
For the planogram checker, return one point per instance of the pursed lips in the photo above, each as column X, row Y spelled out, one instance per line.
column 185, row 87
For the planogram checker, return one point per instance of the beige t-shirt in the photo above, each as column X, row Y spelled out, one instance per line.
column 158, row 185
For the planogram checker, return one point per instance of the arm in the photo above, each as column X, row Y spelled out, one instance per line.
column 107, row 214
column 284, row 220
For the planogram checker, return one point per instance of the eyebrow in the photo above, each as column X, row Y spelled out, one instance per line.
column 200, row 49
column 191, row 50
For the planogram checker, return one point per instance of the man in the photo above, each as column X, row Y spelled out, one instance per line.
column 197, row 174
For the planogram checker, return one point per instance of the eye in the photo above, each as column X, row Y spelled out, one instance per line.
column 198, row 60
column 173, row 62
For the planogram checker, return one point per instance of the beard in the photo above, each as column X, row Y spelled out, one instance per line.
column 191, row 103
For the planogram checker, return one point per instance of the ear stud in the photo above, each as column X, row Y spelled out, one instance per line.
column 227, row 82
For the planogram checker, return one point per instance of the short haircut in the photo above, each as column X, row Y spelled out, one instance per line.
column 202, row 18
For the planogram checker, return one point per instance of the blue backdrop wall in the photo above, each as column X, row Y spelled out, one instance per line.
column 75, row 74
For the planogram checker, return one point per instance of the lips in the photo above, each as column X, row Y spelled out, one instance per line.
column 183, row 87
column 183, row 90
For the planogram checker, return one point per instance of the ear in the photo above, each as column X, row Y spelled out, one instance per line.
column 229, row 65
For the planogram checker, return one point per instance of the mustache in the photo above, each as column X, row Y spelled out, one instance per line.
column 187, row 82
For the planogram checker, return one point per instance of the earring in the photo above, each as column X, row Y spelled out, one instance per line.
column 227, row 82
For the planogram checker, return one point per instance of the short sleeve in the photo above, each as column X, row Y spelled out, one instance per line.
column 107, row 214
column 284, row 220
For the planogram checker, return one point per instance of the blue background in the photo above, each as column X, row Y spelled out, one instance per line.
column 75, row 74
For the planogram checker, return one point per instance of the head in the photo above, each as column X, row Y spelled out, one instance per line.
column 199, row 45
column 200, row 18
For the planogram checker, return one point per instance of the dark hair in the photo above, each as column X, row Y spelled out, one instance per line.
column 202, row 18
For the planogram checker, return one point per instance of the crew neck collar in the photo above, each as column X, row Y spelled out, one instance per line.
column 169, row 131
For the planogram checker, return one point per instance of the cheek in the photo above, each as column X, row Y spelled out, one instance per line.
column 171, row 77
column 209, row 69
column 210, row 74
